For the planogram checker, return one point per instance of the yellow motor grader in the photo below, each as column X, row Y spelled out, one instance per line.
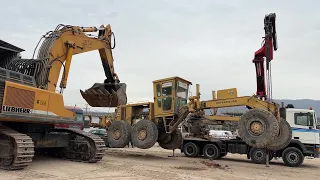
column 144, row 124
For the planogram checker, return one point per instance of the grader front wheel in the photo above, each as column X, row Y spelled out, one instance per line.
column 119, row 134
column 258, row 128
column 284, row 137
column 144, row 134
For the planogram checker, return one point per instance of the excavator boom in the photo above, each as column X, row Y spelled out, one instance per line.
column 57, row 50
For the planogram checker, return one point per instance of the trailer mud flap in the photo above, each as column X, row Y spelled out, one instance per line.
column 106, row 95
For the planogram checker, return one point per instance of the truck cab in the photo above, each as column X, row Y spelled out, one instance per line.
column 305, row 132
column 303, row 123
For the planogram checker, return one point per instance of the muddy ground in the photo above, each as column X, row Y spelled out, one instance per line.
column 154, row 163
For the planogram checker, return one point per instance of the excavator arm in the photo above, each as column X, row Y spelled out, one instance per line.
column 57, row 50
column 266, row 51
column 81, row 44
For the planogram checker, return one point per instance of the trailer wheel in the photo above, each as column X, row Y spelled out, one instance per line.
column 258, row 156
column 170, row 141
column 144, row 134
column 258, row 128
column 211, row 151
column 292, row 157
column 284, row 137
column 190, row 149
column 119, row 134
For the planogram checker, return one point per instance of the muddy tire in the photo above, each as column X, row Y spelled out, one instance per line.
column 284, row 137
column 292, row 157
column 211, row 151
column 119, row 134
column 258, row 128
column 191, row 149
column 144, row 134
column 171, row 141
column 258, row 156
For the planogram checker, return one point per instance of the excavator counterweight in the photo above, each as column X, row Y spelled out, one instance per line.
column 106, row 95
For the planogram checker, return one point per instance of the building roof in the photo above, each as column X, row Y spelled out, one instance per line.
column 5, row 47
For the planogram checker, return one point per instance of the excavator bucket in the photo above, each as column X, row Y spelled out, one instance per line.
column 106, row 95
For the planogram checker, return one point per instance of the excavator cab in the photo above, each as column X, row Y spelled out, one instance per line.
column 106, row 95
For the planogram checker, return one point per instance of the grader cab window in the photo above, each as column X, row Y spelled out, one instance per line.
column 182, row 94
column 167, row 101
column 158, row 90
column 167, row 89
column 167, row 96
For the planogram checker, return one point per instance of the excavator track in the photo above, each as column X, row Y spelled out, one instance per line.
column 83, row 147
column 20, row 149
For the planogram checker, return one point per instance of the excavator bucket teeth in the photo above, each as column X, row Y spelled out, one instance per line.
column 106, row 95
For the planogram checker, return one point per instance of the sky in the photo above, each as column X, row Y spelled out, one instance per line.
column 208, row 42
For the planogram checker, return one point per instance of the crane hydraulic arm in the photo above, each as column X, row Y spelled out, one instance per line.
column 266, row 51
column 57, row 50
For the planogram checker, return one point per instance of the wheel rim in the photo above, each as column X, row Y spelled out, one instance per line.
column 189, row 150
column 210, row 152
column 293, row 157
column 256, row 127
column 116, row 134
column 142, row 135
column 258, row 155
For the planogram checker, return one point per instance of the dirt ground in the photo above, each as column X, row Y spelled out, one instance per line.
column 154, row 163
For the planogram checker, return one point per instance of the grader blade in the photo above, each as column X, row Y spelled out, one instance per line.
column 106, row 95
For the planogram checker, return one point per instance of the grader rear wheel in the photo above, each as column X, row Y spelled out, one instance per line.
column 144, row 134
column 284, row 137
column 170, row 141
column 258, row 128
column 119, row 134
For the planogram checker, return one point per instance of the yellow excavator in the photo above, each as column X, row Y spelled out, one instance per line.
column 31, row 107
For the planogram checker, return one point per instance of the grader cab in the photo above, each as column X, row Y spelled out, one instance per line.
column 146, row 123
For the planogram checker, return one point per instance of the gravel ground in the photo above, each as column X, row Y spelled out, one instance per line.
column 154, row 163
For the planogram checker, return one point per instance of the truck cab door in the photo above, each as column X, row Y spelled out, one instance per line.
column 304, row 128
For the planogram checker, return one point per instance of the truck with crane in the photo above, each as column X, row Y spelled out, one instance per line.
column 303, row 140
column 289, row 144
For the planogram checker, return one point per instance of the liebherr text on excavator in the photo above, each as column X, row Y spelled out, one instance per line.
column 31, row 106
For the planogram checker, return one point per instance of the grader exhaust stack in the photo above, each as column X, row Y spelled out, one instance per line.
column 106, row 95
